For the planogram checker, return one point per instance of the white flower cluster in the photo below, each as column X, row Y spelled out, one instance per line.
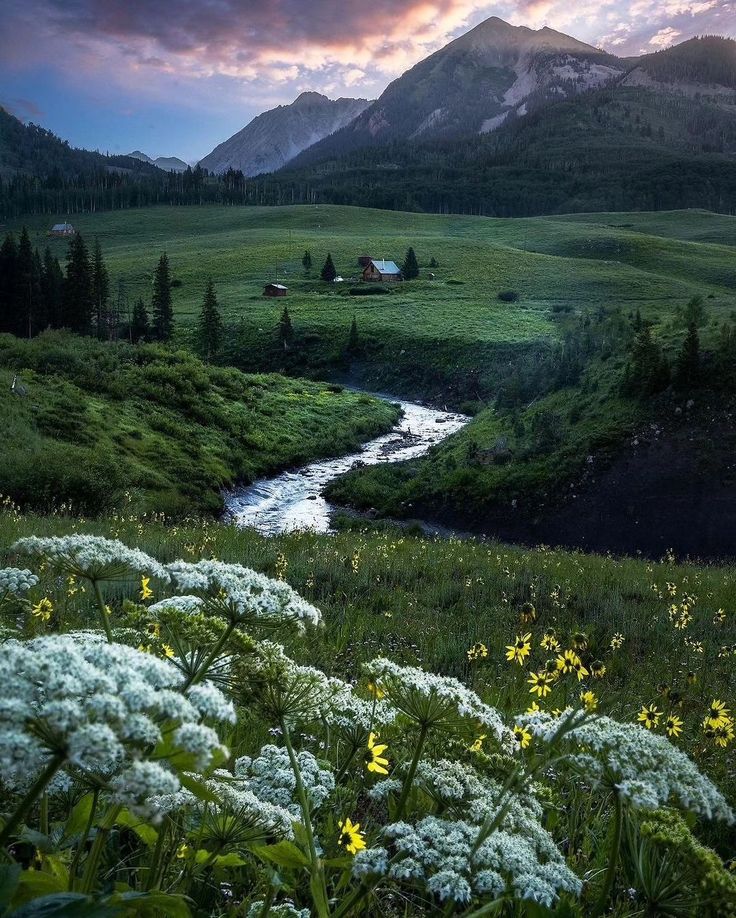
column 437, row 699
column 255, row 817
column 249, row 596
column 271, row 778
column 285, row 909
column 355, row 717
column 186, row 604
column 98, row 707
column 647, row 770
column 286, row 689
column 519, row 856
column 91, row 556
column 14, row 581
column 438, row 854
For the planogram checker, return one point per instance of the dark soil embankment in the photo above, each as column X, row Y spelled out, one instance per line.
column 670, row 487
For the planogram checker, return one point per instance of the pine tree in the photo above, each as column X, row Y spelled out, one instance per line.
column 163, row 314
column 100, row 291
column 307, row 261
column 77, row 303
column 25, row 315
column 687, row 366
column 139, row 328
column 286, row 331
column 9, row 286
column 433, row 263
column 52, row 285
column 648, row 371
column 39, row 313
column 210, row 324
column 328, row 272
column 353, row 339
column 410, row 268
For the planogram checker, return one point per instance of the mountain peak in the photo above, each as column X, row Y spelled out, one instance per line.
column 309, row 97
column 496, row 33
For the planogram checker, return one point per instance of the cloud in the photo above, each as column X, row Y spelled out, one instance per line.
column 258, row 49
column 24, row 109
column 664, row 38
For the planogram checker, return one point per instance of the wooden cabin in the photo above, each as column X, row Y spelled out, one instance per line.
column 62, row 229
column 364, row 261
column 380, row 270
column 275, row 290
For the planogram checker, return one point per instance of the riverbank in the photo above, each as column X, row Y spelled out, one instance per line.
column 295, row 500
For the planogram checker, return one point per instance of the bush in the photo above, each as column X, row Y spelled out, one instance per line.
column 372, row 290
column 508, row 296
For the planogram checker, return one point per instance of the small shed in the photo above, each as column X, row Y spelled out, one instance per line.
column 62, row 229
column 275, row 290
column 381, row 270
column 364, row 260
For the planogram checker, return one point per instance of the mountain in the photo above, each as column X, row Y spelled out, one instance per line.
column 167, row 163
column 30, row 150
column 474, row 84
column 275, row 137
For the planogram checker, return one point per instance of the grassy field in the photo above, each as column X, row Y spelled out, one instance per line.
column 427, row 601
column 453, row 326
column 100, row 421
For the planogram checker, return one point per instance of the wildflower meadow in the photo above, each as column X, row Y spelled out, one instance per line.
column 200, row 721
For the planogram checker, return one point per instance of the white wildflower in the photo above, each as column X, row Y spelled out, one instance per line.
column 285, row 909
column 431, row 699
column 271, row 777
column 15, row 582
column 136, row 785
column 647, row 770
column 93, row 557
column 243, row 594
column 211, row 703
column 186, row 604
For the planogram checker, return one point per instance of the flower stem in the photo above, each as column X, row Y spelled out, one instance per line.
column 316, row 864
column 82, row 844
column 409, row 780
column 36, row 789
column 618, row 824
column 103, row 610
column 93, row 859
column 211, row 656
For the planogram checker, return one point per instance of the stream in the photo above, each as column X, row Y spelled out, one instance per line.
column 293, row 499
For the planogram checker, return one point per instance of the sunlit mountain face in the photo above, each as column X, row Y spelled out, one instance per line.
column 176, row 82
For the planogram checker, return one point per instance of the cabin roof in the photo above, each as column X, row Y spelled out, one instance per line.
column 278, row 286
column 61, row 226
column 385, row 267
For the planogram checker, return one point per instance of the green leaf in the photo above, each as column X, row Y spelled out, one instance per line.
column 155, row 904
column 284, row 853
column 65, row 905
column 35, row 883
column 147, row 834
column 79, row 817
column 9, row 876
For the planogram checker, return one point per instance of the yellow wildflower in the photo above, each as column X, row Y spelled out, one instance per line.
column 351, row 836
column 649, row 716
column 523, row 736
column 183, row 851
column 146, row 592
column 598, row 669
column 528, row 613
column 579, row 641
column 673, row 725
column 567, row 661
column 376, row 691
column 167, row 651
column 478, row 651
column 376, row 762
column 718, row 714
column 533, row 708
column 477, row 745
column 720, row 617
column 550, row 642
column 520, row 649
column 589, row 700
column 541, row 683
column 617, row 641
column 43, row 609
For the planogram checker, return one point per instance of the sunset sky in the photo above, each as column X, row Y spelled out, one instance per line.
column 177, row 78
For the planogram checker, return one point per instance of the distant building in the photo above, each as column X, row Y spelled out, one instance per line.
column 379, row 270
column 62, row 229
column 275, row 290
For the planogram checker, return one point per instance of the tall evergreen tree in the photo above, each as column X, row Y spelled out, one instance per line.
column 25, row 286
column 648, row 371
column 410, row 268
column 163, row 314
column 353, row 338
column 9, row 286
column 52, row 285
column 77, row 303
column 39, row 312
column 328, row 272
column 286, row 330
column 210, row 324
column 139, row 328
column 100, row 291
column 687, row 365
column 307, row 261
